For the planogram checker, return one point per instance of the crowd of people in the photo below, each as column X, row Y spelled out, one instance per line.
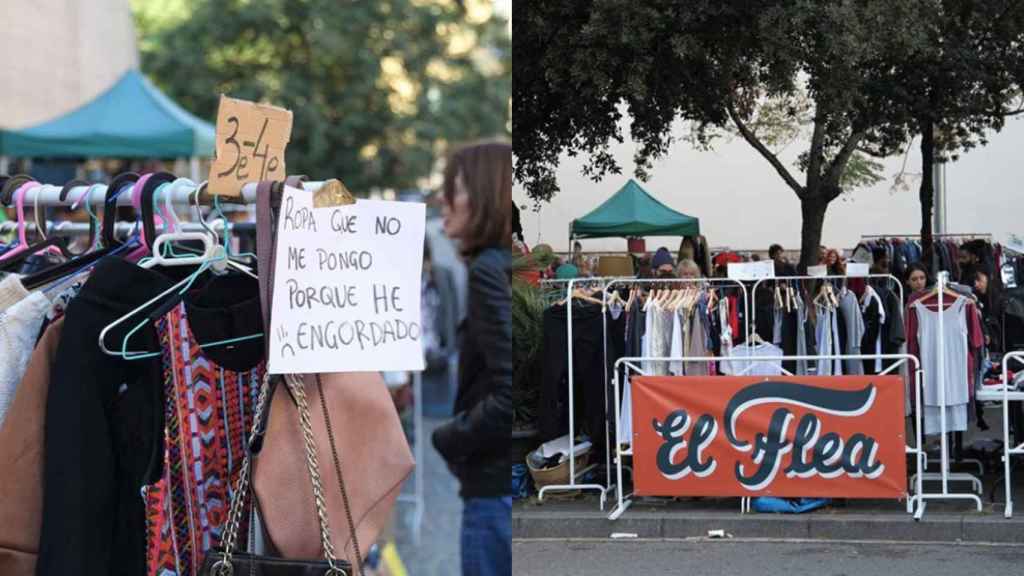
column 685, row 264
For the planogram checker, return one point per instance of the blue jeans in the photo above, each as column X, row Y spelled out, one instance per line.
column 487, row 537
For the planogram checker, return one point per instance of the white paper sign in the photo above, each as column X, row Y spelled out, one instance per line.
column 347, row 286
column 751, row 270
column 1015, row 243
column 854, row 269
column 820, row 270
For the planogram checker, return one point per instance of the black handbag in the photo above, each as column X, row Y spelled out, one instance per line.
column 228, row 561
column 245, row 564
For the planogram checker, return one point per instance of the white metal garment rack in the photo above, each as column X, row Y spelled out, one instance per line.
column 574, row 475
column 944, row 475
column 616, row 408
column 1006, row 396
column 711, row 282
column 634, row 364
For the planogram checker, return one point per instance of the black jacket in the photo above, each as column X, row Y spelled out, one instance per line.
column 475, row 443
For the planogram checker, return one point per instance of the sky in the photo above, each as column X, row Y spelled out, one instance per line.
column 743, row 204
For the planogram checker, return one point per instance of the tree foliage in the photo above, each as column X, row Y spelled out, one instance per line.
column 715, row 64
column 960, row 85
column 378, row 89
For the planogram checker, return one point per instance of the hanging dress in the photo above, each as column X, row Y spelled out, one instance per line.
column 954, row 379
column 208, row 413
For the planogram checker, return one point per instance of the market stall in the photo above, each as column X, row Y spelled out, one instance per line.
column 158, row 128
column 633, row 213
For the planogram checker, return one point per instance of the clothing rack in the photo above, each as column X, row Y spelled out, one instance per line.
column 606, row 284
column 550, row 287
column 944, row 474
column 757, row 285
column 1005, row 396
column 971, row 236
column 181, row 192
column 66, row 228
column 570, row 284
column 708, row 282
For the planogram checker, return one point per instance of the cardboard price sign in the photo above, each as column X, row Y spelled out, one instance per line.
column 347, row 283
column 785, row 436
column 251, row 140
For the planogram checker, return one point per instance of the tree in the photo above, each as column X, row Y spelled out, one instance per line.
column 379, row 90
column 713, row 64
column 959, row 85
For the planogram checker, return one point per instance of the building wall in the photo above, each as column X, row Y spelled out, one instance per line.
column 56, row 55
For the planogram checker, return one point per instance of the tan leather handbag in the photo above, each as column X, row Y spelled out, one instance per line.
column 358, row 438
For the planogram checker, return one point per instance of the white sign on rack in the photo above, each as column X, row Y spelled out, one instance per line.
column 820, row 270
column 857, row 269
column 347, row 283
column 751, row 270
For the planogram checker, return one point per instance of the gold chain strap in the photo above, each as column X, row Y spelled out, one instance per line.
column 298, row 390
column 341, row 478
column 223, row 567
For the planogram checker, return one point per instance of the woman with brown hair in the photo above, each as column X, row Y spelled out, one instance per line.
column 478, row 216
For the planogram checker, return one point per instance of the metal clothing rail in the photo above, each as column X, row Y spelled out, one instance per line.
column 66, row 228
column 631, row 363
column 181, row 191
column 731, row 282
column 944, row 474
column 980, row 236
column 573, row 474
column 1006, row 396
column 826, row 277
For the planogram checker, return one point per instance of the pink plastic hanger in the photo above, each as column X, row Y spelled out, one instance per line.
column 23, row 243
column 144, row 249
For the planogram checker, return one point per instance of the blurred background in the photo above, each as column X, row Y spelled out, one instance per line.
column 380, row 92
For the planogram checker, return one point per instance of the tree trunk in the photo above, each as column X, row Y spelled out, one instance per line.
column 927, row 193
column 812, row 209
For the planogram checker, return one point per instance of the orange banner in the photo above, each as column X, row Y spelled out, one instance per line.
column 787, row 436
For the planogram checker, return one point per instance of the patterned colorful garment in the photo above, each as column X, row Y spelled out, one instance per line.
column 208, row 413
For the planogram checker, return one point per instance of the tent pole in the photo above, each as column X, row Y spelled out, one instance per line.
column 4, row 164
column 193, row 168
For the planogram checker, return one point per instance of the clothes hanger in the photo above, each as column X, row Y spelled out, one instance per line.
column 78, row 264
column 214, row 258
column 580, row 294
column 232, row 262
column 246, row 257
column 149, row 183
column 652, row 298
column 23, row 250
column 142, row 216
column 117, row 186
column 21, row 242
column 11, row 186
column 166, row 307
column 64, row 191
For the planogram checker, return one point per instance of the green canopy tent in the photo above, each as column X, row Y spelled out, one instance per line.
column 132, row 119
column 632, row 212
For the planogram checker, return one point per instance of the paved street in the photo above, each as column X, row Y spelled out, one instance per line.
column 758, row 558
